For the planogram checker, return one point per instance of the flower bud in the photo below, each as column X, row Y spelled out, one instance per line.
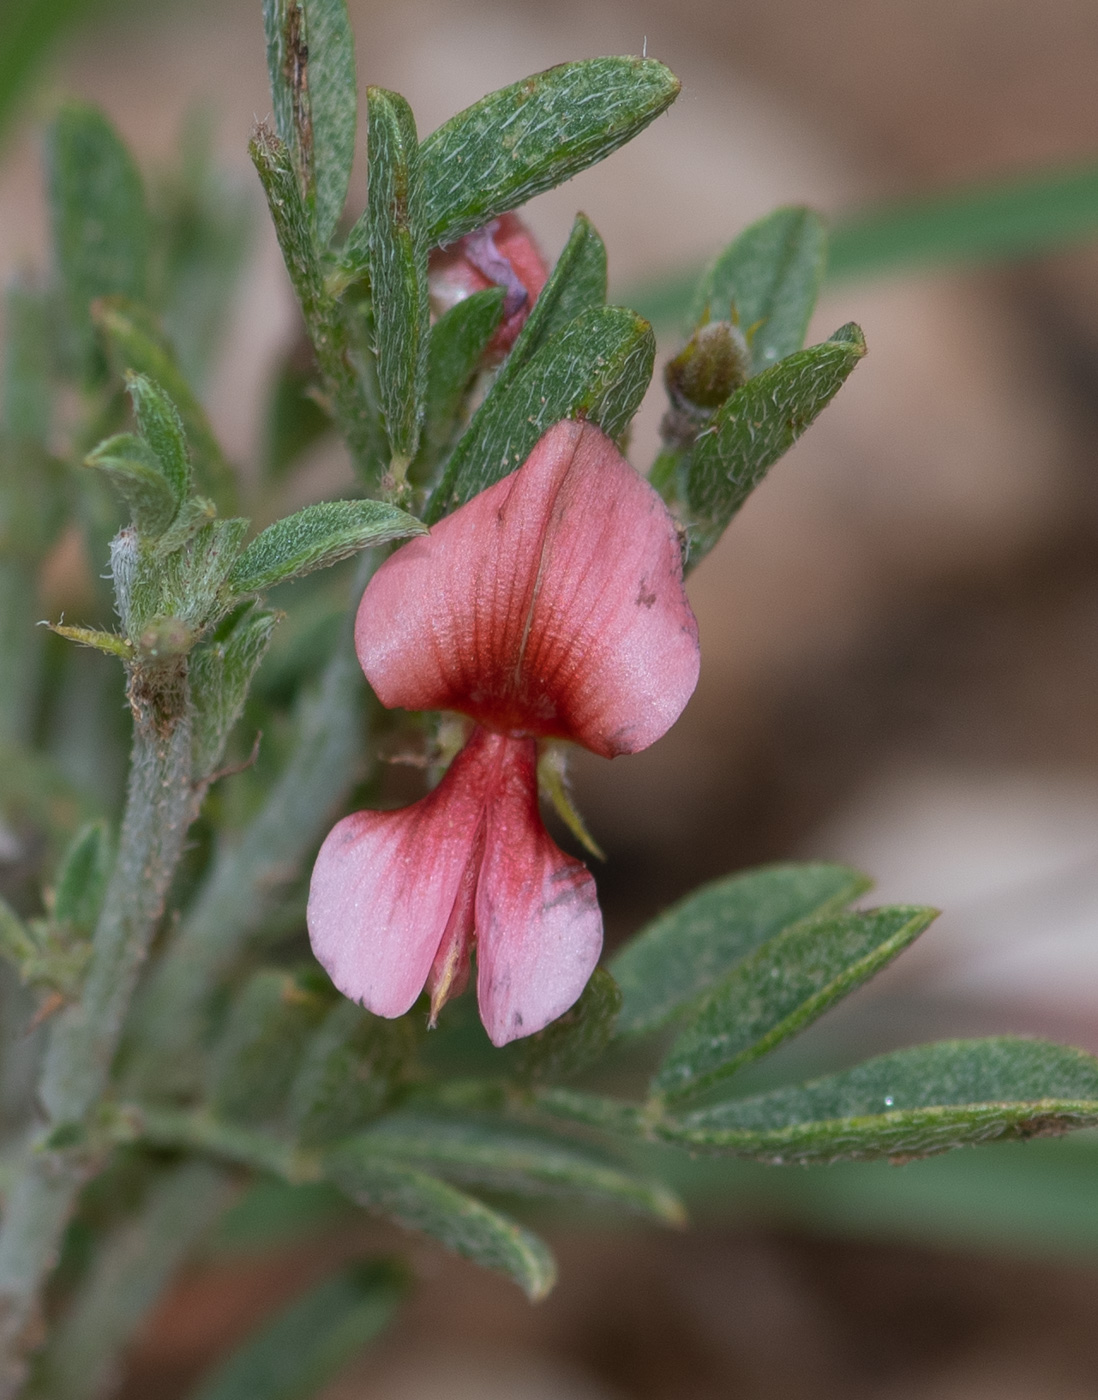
column 714, row 363
column 501, row 254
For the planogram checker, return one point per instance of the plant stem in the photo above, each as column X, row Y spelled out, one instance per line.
column 160, row 805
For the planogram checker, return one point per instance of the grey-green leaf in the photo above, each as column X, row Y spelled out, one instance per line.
column 133, row 469
column 499, row 1157
column 781, row 988
column 537, row 133
column 97, row 209
column 460, row 1222
column 573, row 1041
column 316, row 537
column 576, row 284
column 296, row 1353
column 347, row 1073
column 221, row 672
column 767, row 279
column 753, row 428
column 82, row 877
column 458, row 341
column 398, row 267
column 910, row 1103
column 161, row 427
column 672, row 963
column 597, row 367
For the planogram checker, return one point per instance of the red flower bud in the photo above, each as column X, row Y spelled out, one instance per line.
column 501, row 254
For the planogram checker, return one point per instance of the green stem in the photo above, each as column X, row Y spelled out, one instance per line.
column 159, row 808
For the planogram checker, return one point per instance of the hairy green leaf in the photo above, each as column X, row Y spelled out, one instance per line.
column 781, row 988
column 597, row 367
column 161, row 427
column 576, row 284
column 296, row 1353
column 82, row 877
column 458, row 341
column 221, row 673
column 347, row 1073
column 460, row 1222
column 133, row 469
column 98, row 215
column 398, row 267
column 537, row 133
column 503, row 1158
column 752, row 429
column 672, row 963
column 767, row 281
column 576, row 1039
column 316, row 537
column 909, row 1103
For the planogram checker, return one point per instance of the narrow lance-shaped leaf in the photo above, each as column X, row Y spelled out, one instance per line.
column 221, row 673
column 159, row 424
column 754, row 427
column 910, row 1103
column 315, row 537
column 781, row 988
column 136, row 342
column 133, row 469
column 767, row 280
column 672, row 963
column 97, row 209
column 311, row 67
column 502, row 1158
column 598, row 368
column 537, row 133
column 398, row 267
column 460, row 1222
column 296, row 1353
column 458, row 342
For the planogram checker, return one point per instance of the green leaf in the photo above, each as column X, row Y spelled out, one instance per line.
column 672, row 963
column 311, row 66
column 162, row 428
column 18, row 944
column 133, row 469
column 752, row 429
column 110, row 643
column 27, row 388
column 296, row 1353
column 910, row 1103
column 503, row 1158
column 458, row 341
column 255, row 1059
column 220, row 674
column 460, row 1222
column 598, row 368
column 316, row 537
column 347, row 1073
column 82, row 877
column 768, row 278
column 537, row 133
column 97, row 210
column 576, row 1039
column 136, row 342
column 398, row 267
column 576, row 284
column 781, row 988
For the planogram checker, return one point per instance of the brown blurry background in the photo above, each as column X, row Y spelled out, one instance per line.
column 900, row 646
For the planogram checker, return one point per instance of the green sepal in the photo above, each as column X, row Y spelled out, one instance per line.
column 767, row 282
column 573, row 1041
column 160, row 425
column 82, row 877
column 297, row 1352
column 535, row 134
column 348, row 1072
column 781, row 988
column 257, row 1054
column 501, row 1157
column 910, row 1103
column 459, row 1221
column 135, row 342
column 101, row 234
column 597, row 368
column 398, row 268
column 459, row 339
column 669, row 967
column 316, row 537
column 761, row 421
column 133, row 470
column 220, row 673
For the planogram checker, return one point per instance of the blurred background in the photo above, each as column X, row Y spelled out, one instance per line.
column 900, row 664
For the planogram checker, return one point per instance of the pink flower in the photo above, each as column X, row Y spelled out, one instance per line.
column 550, row 606
column 501, row 254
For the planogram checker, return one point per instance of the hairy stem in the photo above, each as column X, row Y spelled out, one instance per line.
column 159, row 807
